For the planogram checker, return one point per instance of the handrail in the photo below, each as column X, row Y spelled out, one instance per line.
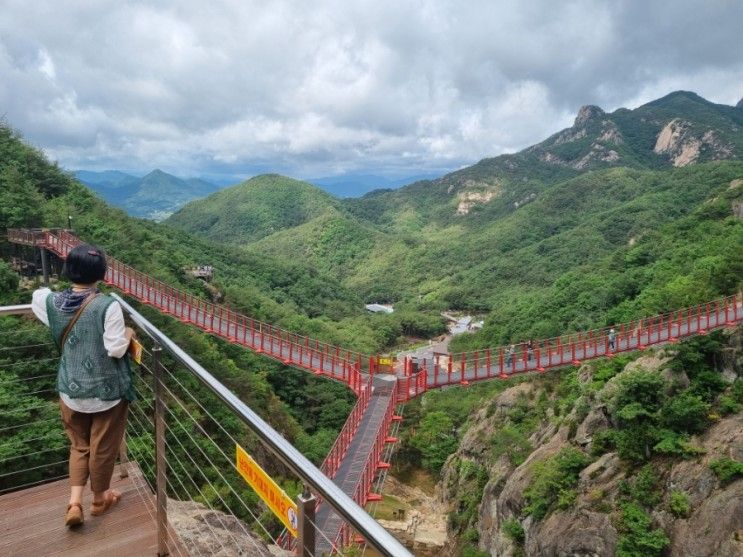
column 24, row 309
column 375, row 535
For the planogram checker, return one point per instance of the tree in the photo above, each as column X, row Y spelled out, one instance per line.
column 435, row 440
column 20, row 201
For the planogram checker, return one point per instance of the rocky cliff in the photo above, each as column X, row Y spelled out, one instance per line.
column 204, row 531
column 546, row 483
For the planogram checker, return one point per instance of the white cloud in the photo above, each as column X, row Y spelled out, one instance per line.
column 334, row 86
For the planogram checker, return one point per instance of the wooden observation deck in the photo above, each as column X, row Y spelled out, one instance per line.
column 32, row 522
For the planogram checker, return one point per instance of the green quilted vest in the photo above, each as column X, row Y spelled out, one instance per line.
column 85, row 368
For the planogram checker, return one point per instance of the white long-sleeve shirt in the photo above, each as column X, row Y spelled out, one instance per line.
column 114, row 341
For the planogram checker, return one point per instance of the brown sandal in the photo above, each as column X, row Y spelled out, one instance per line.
column 109, row 500
column 74, row 516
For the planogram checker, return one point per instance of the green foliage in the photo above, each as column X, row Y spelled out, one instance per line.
column 32, row 442
column 737, row 390
column 20, row 200
column 728, row 405
column 643, row 487
column 553, row 481
column 436, row 439
column 707, row 384
column 679, row 504
column 636, row 406
column 686, row 412
column 636, row 536
column 511, row 442
column 513, row 529
column 8, row 283
column 254, row 209
column 470, row 551
column 471, row 478
column 727, row 469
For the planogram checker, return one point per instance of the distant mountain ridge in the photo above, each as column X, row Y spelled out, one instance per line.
column 154, row 196
column 461, row 241
column 679, row 129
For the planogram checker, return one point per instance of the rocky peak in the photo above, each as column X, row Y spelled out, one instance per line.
column 740, row 104
column 586, row 113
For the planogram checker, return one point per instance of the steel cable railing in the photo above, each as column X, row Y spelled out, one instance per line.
column 33, row 446
column 199, row 429
column 200, row 456
column 193, row 462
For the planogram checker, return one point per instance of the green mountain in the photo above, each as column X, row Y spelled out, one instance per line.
column 560, row 225
column 154, row 196
column 288, row 293
column 677, row 130
column 254, row 209
column 635, row 455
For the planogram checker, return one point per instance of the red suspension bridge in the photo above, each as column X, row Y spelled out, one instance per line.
column 357, row 456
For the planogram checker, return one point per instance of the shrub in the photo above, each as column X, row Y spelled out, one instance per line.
column 511, row 442
column 642, row 487
column 636, row 538
column 513, row 529
column 679, row 504
column 728, row 405
column 736, row 390
column 707, row 384
column 642, row 390
column 553, row 482
column 686, row 412
column 727, row 469
column 603, row 442
column 670, row 442
column 435, row 439
column 470, row 551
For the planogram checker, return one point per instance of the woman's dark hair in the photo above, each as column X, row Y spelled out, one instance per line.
column 85, row 264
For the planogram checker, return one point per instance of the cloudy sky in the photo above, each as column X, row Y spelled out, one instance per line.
column 236, row 87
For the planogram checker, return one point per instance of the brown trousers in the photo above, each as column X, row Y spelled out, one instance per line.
column 95, row 442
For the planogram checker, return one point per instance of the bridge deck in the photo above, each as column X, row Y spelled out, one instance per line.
column 32, row 522
column 352, row 467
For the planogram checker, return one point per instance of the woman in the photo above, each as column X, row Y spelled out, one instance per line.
column 94, row 378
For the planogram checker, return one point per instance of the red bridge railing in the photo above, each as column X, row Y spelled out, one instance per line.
column 440, row 370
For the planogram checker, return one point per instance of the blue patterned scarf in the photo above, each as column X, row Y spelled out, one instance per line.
column 68, row 301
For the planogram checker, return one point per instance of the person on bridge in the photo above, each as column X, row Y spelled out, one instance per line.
column 612, row 339
column 510, row 354
column 94, row 378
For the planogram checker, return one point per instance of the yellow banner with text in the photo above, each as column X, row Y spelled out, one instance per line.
column 277, row 500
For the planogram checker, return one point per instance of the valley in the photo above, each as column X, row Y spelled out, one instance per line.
column 623, row 215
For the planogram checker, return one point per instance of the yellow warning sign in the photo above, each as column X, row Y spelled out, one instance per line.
column 386, row 361
column 267, row 489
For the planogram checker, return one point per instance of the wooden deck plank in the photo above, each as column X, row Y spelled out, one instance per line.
column 32, row 522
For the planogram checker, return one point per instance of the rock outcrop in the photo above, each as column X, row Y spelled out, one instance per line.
column 589, row 525
column 683, row 145
column 587, row 113
column 204, row 531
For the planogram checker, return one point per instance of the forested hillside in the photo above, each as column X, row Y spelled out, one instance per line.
column 622, row 215
column 35, row 193
column 256, row 208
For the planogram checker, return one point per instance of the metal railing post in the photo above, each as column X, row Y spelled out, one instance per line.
column 45, row 265
column 306, row 504
column 123, row 459
column 160, row 462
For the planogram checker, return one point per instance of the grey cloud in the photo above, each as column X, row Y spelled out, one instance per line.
column 306, row 89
